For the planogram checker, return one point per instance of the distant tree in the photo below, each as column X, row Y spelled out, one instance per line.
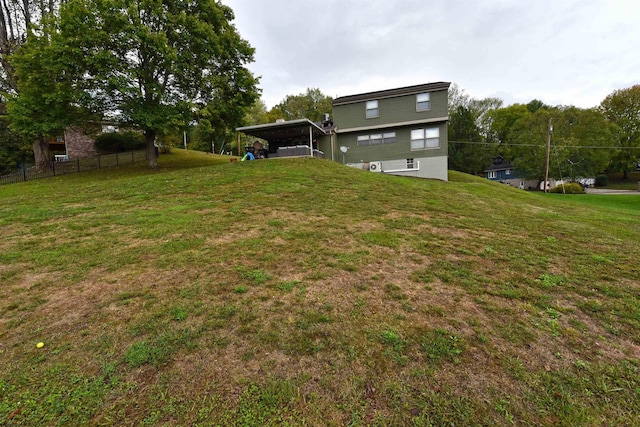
column 535, row 104
column 502, row 121
column 457, row 97
column 575, row 134
column 156, row 65
column 470, row 148
column 622, row 108
column 256, row 114
column 587, row 129
column 310, row 105
column 467, row 153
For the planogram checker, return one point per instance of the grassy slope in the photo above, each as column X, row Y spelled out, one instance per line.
column 303, row 292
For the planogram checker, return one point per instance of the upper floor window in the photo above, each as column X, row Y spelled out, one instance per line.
column 423, row 102
column 422, row 139
column 372, row 109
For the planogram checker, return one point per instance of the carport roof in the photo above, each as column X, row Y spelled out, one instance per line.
column 280, row 131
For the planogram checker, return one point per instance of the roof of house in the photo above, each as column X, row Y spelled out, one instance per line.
column 499, row 167
column 283, row 130
column 390, row 93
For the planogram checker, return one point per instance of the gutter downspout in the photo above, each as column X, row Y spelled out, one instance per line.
column 311, row 140
column 331, row 140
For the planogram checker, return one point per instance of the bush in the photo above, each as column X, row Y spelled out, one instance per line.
column 119, row 142
column 571, row 188
column 602, row 180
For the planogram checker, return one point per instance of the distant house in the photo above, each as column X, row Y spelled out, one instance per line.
column 505, row 173
column 73, row 142
column 400, row 131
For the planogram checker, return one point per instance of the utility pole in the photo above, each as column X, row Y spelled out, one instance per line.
column 546, row 168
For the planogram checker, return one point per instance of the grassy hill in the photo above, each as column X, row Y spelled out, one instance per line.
column 302, row 292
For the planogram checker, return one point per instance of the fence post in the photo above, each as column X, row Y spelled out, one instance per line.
column 53, row 167
column 24, row 171
column 78, row 161
column 99, row 162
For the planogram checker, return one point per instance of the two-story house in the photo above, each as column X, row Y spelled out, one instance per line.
column 400, row 131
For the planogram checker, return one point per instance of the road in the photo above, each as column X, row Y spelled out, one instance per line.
column 611, row 191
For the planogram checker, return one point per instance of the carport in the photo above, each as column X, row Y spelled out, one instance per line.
column 294, row 138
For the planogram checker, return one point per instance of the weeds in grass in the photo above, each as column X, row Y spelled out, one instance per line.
column 362, row 291
column 255, row 277
column 440, row 345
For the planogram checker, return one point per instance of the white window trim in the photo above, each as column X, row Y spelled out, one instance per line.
column 370, row 108
column 425, row 139
column 427, row 100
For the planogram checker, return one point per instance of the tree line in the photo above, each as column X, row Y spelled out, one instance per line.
column 584, row 142
column 172, row 67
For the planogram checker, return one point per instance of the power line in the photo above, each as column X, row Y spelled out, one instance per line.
column 542, row 145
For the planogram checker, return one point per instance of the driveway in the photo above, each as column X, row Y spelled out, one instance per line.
column 611, row 191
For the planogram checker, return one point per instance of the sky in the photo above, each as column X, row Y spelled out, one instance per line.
column 562, row 52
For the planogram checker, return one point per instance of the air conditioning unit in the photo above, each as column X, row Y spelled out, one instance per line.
column 375, row 166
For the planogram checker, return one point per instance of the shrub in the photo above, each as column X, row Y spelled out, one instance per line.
column 602, row 180
column 571, row 188
column 119, row 142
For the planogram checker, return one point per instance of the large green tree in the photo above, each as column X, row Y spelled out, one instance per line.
column 20, row 21
column 467, row 152
column 156, row 64
column 46, row 101
column 13, row 148
column 309, row 105
column 470, row 148
column 579, row 142
column 622, row 108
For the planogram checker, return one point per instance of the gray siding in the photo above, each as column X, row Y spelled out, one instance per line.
column 397, row 109
column 401, row 149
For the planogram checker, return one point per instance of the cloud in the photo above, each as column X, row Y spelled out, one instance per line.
column 569, row 52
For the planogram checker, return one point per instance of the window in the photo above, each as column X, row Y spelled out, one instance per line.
column 372, row 109
column 423, row 102
column 492, row 175
column 389, row 137
column 507, row 172
column 376, row 138
column 410, row 164
column 363, row 140
column 422, row 139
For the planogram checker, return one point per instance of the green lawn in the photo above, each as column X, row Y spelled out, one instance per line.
column 302, row 292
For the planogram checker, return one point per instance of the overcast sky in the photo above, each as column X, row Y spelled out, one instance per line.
column 569, row 52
